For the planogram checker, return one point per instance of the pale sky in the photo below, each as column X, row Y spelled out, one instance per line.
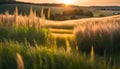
column 79, row 2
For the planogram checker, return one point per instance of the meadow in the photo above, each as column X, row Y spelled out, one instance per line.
column 33, row 42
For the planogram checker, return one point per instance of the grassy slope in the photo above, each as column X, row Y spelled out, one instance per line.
column 68, row 25
column 45, row 58
column 65, row 29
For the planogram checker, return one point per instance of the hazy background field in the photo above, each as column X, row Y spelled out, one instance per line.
column 60, row 11
column 59, row 36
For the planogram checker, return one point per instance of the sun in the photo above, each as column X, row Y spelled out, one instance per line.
column 67, row 1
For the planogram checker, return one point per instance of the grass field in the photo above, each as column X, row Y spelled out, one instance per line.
column 31, row 42
column 18, row 56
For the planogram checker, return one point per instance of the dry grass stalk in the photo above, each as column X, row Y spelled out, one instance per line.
column 20, row 63
column 42, row 12
column 49, row 13
column 92, row 54
column 68, row 46
column 16, row 15
column 76, row 48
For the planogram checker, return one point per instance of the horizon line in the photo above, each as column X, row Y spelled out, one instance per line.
column 56, row 3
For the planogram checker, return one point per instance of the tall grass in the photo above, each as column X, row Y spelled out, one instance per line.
column 14, row 55
column 21, row 34
column 23, row 28
column 26, row 44
column 101, row 34
column 17, row 19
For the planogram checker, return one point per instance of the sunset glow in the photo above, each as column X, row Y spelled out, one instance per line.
column 67, row 1
column 78, row 2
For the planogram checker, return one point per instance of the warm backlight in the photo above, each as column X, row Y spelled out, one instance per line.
column 67, row 1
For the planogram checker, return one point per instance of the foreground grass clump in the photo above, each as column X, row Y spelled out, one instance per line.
column 14, row 55
column 21, row 34
column 104, row 35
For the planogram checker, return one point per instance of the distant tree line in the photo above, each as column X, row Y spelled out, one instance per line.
column 78, row 12
column 110, row 9
column 6, row 0
column 72, row 14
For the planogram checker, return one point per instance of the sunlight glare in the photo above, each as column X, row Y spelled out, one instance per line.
column 67, row 1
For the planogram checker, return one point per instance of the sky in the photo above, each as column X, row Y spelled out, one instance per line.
column 79, row 2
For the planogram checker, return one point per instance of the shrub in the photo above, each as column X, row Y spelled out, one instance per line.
column 88, row 13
